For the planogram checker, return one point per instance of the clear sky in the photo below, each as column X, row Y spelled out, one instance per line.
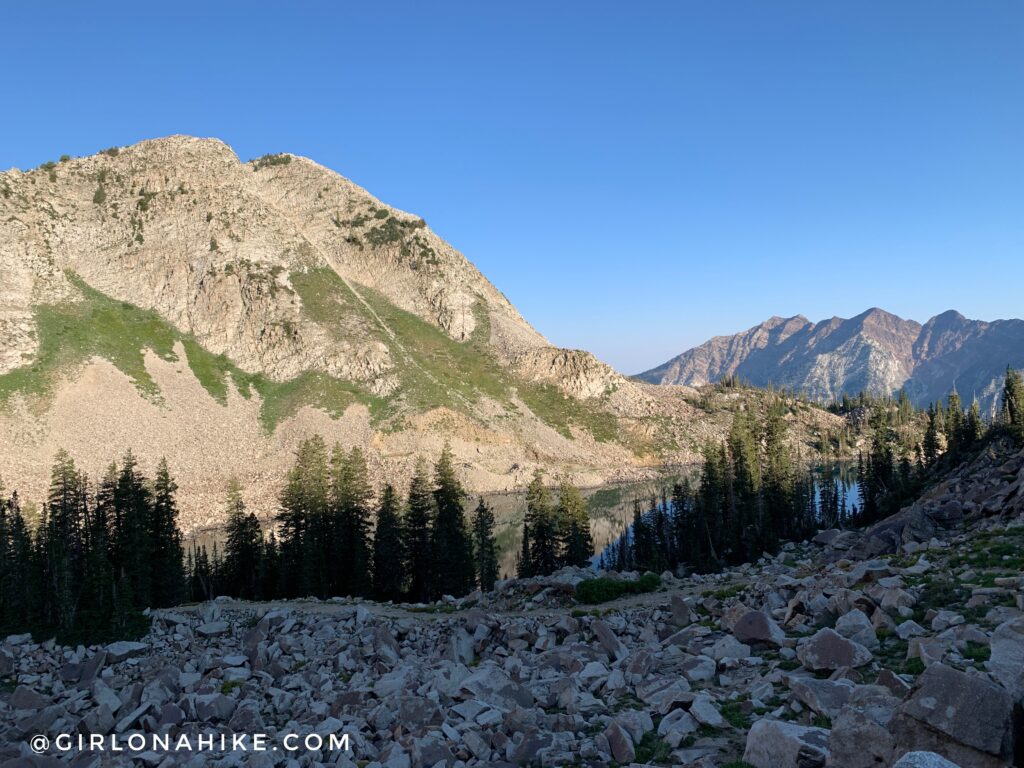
column 636, row 177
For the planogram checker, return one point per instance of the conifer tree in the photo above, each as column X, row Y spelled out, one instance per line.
column 574, row 524
column 305, row 531
column 351, row 508
column 485, row 550
column 243, row 546
column 543, row 542
column 524, row 566
column 455, row 573
column 134, row 544
column 955, row 425
column 930, row 446
column 1013, row 401
column 19, row 595
column 270, row 571
column 167, row 555
column 388, row 555
column 643, row 540
column 419, row 521
column 973, row 428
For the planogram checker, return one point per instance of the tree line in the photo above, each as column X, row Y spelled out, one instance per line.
column 751, row 495
column 95, row 558
column 336, row 537
column 556, row 532
column 86, row 564
column 755, row 491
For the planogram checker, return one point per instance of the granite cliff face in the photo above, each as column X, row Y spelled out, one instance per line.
column 171, row 298
column 876, row 351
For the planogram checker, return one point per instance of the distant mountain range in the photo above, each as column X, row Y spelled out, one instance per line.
column 875, row 351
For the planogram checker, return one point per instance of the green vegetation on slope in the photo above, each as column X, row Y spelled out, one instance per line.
column 71, row 333
column 561, row 412
column 432, row 365
column 434, row 369
column 98, row 326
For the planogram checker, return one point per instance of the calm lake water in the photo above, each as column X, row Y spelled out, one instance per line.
column 610, row 508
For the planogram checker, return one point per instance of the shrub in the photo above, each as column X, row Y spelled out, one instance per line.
column 213, row 244
column 268, row 160
column 111, row 152
column 100, row 195
column 603, row 589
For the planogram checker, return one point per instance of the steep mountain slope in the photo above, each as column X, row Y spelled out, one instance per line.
column 170, row 298
column 876, row 351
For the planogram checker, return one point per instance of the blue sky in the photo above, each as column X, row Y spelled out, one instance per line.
column 636, row 177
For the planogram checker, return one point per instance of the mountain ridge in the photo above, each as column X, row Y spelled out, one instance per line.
column 875, row 351
column 171, row 298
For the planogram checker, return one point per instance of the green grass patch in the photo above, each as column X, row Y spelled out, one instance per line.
column 603, row 589
column 733, row 713
column 98, row 326
column 977, row 652
column 653, row 750
column 733, row 590
column 229, row 685
column 913, row 667
column 71, row 333
column 562, row 412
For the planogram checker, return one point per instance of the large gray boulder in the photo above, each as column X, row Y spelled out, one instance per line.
column 827, row 650
column 856, row 626
column 825, row 697
column 923, row 760
column 1007, row 660
column 860, row 736
column 964, row 717
column 758, row 628
column 125, row 649
column 778, row 744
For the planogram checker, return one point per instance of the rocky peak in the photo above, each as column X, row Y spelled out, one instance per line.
column 875, row 351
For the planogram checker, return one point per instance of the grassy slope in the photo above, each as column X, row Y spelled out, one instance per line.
column 430, row 365
column 99, row 326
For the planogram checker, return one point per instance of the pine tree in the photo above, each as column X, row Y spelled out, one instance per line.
column 60, row 544
column 351, row 505
column 577, row 544
column 270, row 570
column 1013, row 401
column 973, row 427
column 930, row 447
column 451, row 545
column 485, row 550
column 305, row 530
column 419, row 521
column 388, row 555
column 243, row 546
column 524, row 565
column 134, row 543
column 777, row 479
column 955, row 425
column 642, row 538
column 543, row 543
column 746, row 476
column 19, row 587
column 167, row 555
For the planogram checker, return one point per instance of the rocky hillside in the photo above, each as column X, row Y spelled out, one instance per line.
column 814, row 658
column 171, row 298
column 876, row 352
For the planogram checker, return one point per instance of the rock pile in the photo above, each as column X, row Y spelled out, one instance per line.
column 802, row 660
